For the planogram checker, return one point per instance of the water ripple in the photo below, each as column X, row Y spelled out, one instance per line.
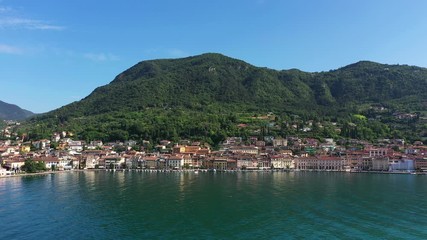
column 129, row 205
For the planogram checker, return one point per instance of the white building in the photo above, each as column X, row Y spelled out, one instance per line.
column 282, row 162
column 280, row 142
column 175, row 162
column 244, row 150
column 402, row 165
column 322, row 163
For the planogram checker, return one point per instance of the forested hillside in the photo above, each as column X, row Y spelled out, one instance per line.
column 211, row 96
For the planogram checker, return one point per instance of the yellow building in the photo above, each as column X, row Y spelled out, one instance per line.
column 178, row 149
column 25, row 149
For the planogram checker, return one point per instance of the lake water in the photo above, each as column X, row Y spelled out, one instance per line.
column 250, row 205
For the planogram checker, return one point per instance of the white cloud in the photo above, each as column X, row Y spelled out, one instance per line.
column 8, row 49
column 101, row 57
column 13, row 22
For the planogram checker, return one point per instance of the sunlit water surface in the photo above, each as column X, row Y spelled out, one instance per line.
column 251, row 205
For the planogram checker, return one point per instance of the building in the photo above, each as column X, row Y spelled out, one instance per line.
column 231, row 164
column 54, row 162
column 421, row 164
column 354, row 160
column 192, row 149
column 25, row 148
column 280, row 142
column 113, row 162
column 244, row 150
column 75, row 146
column 246, row 162
column 320, row 163
column 373, row 152
column 402, row 164
column 380, row 163
column 277, row 161
column 188, row 160
column 149, row 162
column 177, row 149
column 13, row 164
column 175, row 162
column 218, row 163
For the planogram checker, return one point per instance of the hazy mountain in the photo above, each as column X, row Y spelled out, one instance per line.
column 13, row 112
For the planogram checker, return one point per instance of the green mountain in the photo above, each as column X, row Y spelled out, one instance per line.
column 206, row 96
column 13, row 112
column 195, row 83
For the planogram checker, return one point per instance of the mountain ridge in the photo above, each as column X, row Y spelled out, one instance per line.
column 13, row 112
column 215, row 85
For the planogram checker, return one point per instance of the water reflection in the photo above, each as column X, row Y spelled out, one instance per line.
column 227, row 205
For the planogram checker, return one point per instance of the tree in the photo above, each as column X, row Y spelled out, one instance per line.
column 30, row 166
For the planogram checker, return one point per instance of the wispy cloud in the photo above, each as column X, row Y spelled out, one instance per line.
column 15, row 22
column 101, row 57
column 8, row 49
column 166, row 52
column 10, row 18
column 5, row 9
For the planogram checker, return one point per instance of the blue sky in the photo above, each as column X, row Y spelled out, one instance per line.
column 55, row 52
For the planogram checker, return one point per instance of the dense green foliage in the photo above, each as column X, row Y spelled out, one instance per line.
column 13, row 112
column 31, row 166
column 207, row 96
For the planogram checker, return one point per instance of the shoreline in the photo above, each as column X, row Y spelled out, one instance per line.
column 200, row 170
column 40, row 173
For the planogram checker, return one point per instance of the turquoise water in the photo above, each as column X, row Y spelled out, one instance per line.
column 264, row 205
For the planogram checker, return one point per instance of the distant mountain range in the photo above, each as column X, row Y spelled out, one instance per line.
column 12, row 112
column 151, row 93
